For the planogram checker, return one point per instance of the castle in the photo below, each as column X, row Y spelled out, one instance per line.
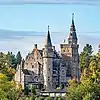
column 47, row 69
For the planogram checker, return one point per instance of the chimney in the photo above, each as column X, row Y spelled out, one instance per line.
column 35, row 46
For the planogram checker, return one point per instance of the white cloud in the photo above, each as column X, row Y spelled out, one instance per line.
column 24, row 41
column 25, row 44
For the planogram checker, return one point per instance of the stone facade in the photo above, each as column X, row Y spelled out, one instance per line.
column 46, row 68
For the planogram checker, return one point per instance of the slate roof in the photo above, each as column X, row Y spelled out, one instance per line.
column 48, row 39
column 26, row 72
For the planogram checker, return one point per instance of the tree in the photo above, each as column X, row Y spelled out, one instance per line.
column 86, row 89
column 11, row 60
column 93, row 64
column 26, row 90
column 85, row 56
column 3, row 61
column 3, row 95
column 60, row 98
column 33, row 91
column 7, row 89
column 40, row 98
column 89, row 86
column 13, row 94
column 48, row 98
column 55, row 98
column 18, row 58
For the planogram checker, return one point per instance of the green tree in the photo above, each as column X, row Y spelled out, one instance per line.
column 3, row 61
column 18, row 58
column 60, row 98
column 85, row 56
column 11, row 60
column 33, row 90
column 55, row 98
column 8, row 89
column 48, row 98
column 26, row 90
column 40, row 98
column 13, row 94
column 89, row 86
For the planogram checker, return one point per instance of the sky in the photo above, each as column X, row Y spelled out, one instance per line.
column 21, row 26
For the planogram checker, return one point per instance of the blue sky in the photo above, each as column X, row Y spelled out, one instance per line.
column 23, row 25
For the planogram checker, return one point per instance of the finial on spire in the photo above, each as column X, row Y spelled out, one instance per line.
column 72, row 19
column 72, row 16
column 48, row 27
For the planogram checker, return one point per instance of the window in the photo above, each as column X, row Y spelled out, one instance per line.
column 62, row 70
column 54, row 72
column 48, row 78
column 64, row 50
column 67, row 50
column 32, row 66
column 71, row 34
column 49, row 69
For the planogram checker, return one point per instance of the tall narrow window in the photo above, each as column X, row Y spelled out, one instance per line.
column 32, row 66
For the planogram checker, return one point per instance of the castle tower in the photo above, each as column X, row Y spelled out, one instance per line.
column 70, row 51
column 19, row 76
column 48, row 62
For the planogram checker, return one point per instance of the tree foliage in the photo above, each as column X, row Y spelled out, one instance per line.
column 85, row 56
column 89, row 86
column 18, row 58
column 48, row 98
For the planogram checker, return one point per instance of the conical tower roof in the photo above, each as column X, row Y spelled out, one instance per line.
column 48, row 39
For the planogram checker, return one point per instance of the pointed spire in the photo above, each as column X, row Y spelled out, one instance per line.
column 72, row 36
column 48, row 28
column 48, row 39
column 72, row 25
column 72, row 18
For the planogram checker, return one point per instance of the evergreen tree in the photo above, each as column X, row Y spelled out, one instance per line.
column 26, row 90
column 11, row 60
column 85, row 56
column 18, row 58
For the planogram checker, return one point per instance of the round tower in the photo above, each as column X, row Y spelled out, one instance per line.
column 48, row 62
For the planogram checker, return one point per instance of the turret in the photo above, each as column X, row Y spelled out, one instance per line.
column 48, row 48
column 48, row 62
